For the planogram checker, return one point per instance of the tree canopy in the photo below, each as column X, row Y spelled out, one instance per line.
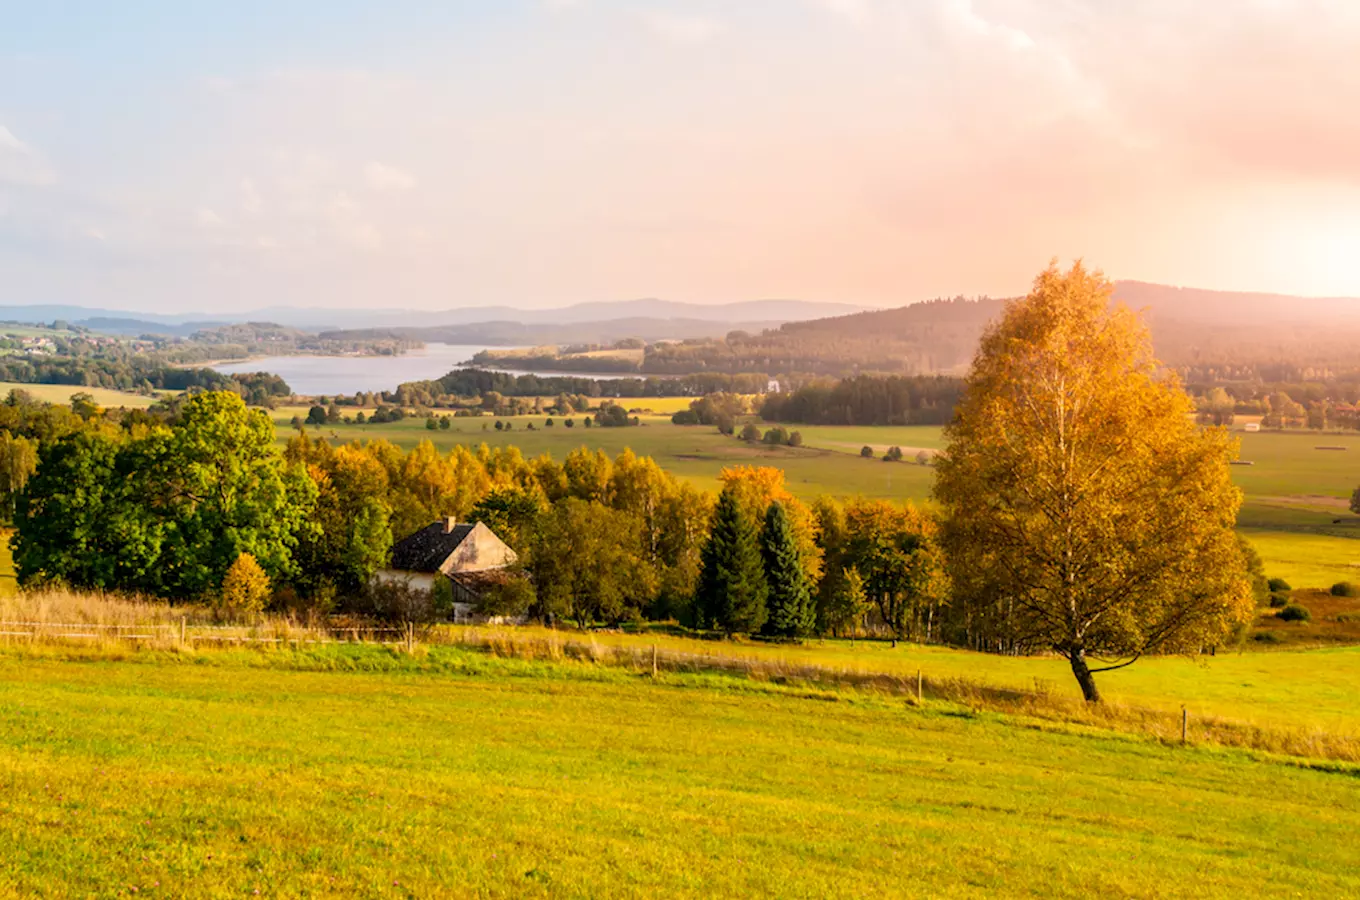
column 1085, row 511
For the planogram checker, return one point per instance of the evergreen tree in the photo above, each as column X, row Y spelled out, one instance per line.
column 791, row 610
column 732, row 582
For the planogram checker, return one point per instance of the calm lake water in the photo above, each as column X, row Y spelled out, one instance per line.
column 350, row 374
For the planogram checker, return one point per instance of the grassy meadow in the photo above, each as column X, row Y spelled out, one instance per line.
column 360, row 773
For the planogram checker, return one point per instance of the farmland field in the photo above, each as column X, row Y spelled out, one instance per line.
column 61, row 394
column 286, row 775
column 1296, row 494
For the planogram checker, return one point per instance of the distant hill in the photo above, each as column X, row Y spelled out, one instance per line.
column 756, row 313
column 1191, row 329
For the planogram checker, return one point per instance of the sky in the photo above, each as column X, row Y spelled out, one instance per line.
column 173, row 156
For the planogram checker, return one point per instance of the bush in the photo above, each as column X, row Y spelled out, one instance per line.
column 1345, row 589
column 866, row 452
column 547, row 423
column 796, row 439
column 923, row 458
column 245, row 588
column 396, row 601
column 1279, row 601
column 685, row 417
column 894, row 454
column 1295, row 613
column 1278, row 585
column 777, row 436
column 750, row 433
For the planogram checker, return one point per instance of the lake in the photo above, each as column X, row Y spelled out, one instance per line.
column 330, row 375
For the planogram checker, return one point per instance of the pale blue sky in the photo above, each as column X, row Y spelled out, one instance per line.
column 203, row 156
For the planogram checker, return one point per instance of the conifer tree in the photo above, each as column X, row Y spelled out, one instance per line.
column 791, row 610
column 732, row 583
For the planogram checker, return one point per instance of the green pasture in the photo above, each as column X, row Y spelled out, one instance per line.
column 297, row 775
column 61, row 394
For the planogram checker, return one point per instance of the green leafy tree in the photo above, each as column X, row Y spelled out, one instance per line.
column 732, row 589
column 1086, row 512
column 82, row 520
column 848, row 604
column 588, row 563
column 789, row 599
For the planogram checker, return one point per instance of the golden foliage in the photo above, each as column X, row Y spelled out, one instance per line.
column 245, row 588
column 1085, row 510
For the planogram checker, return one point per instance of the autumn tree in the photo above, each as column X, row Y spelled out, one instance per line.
column 1085, row 510
column 789, row 598
column 754, row 488
column 18, row 462
column 245, row 587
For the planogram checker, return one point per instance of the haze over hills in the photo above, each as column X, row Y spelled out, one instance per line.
column 648, row 314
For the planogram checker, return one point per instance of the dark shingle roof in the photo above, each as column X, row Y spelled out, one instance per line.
column 426, row 550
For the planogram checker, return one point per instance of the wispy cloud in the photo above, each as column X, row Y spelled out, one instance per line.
column 21, row 164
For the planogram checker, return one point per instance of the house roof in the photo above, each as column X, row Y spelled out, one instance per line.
column 428, row 548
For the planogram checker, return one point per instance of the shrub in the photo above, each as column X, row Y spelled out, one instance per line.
column 500, row 426
column 245, row 588
column 431, row 425
column 1266, row 637
column 1279, row 601
column 750, row 433
column 1345, row 589
column 444, row 423
column 1278, row 585
column 923, row 458
column 547, row 423
column 778, row 435
column 570, row 423
column 866, row 452
column 1295, row 613
column 796, row 439
column 685, row 417
column 894, row 454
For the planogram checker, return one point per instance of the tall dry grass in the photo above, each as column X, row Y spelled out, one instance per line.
column 97, row 618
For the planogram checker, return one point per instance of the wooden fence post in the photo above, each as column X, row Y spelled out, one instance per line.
column 1185, row 721
column 653, row 660
column 410, row 637
column 183, row 630
column 920, row 695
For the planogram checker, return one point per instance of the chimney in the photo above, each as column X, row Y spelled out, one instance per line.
column 449, row 524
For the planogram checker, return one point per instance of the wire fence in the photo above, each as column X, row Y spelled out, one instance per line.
column 1169, row 725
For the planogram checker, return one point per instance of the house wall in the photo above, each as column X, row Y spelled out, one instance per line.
column 480, row 550
column 421, row 580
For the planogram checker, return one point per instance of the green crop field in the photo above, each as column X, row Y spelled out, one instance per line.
column 464, row 775
column 61, row 394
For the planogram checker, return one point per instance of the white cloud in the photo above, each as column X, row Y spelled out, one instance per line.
column 388, row 178
column 680, row 28
column 20, row 163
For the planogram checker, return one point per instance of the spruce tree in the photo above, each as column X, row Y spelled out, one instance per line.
column 732, row 589
column 792, row 613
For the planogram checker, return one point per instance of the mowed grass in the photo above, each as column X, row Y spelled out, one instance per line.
column 485, row 777
column 60, row 394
